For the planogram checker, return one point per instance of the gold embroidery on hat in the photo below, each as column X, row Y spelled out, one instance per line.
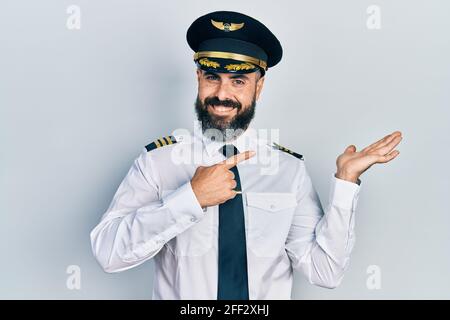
column 226, row 26
column 208, row 63
column 241, row 66
column 230, row 55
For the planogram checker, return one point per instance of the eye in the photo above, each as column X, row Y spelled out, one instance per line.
column 211, row 77
column 239, row 82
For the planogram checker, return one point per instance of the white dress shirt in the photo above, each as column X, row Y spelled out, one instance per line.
column 155, row 214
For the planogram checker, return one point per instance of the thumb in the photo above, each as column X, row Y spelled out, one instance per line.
column 351, row 148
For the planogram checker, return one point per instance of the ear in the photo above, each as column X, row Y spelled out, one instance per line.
column 259, row 86
column 199, row 74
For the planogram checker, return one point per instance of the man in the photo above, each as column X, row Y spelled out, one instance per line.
column 218, row 223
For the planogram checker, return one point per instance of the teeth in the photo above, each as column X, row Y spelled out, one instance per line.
column 222, row 109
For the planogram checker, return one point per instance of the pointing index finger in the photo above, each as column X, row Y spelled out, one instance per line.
column 234, row 160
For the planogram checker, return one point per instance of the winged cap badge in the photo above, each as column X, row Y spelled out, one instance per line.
column 226, row 26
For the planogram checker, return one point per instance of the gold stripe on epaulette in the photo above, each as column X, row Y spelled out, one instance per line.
column 160, row 142
column 284, row 149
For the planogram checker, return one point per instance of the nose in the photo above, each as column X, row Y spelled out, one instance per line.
column 223, row 91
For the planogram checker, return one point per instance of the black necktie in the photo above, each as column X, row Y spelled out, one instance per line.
column 233, row 280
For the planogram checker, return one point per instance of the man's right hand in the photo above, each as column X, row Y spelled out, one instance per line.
column 214, row 185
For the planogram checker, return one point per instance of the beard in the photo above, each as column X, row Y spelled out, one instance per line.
column 227, row 129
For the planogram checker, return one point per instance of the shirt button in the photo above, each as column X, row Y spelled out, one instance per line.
column 272, row 206
column 193, row 219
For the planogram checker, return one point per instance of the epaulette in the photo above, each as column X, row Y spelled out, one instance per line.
column 278, row 147
column 164, row 141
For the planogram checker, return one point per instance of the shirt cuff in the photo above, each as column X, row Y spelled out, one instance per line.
column 343, row 193
column 183, row 204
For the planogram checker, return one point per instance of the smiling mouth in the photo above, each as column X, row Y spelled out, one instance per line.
column 221, row 110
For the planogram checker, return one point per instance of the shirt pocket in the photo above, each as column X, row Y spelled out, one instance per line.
column 196, row 240
column 269, row 217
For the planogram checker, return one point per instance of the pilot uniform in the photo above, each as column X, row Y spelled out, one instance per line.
column 155, row 213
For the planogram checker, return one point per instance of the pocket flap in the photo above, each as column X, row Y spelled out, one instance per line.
column 271, row 201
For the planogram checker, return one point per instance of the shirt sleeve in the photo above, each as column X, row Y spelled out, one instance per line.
column 320, row 241
column 139, row 222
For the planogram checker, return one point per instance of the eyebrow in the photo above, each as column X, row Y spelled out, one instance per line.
column 236, row 76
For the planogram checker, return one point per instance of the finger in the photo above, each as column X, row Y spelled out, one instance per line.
column 388, row 157
column 388, row 140
column 383, row 141
column 233, row 194
column 375, row 143
column 200, row 168
column 231, row 174
column 234, row 160
column 385, row 149
column 379, row 142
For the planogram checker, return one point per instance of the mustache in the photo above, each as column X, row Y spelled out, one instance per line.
column 215, row 101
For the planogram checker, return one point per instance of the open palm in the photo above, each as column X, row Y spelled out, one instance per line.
column 351, row 164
